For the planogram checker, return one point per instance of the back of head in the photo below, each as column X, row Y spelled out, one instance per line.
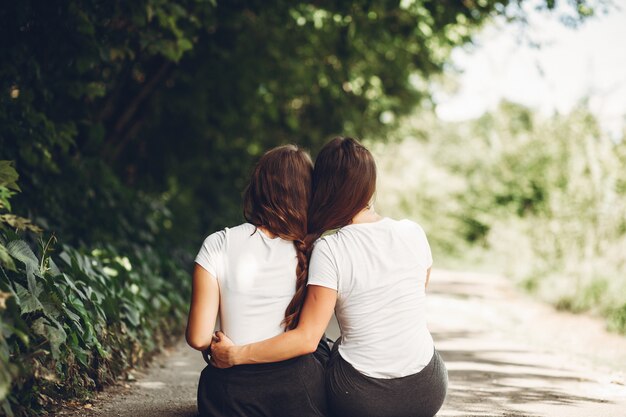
column 278, row 195
column 344, row 181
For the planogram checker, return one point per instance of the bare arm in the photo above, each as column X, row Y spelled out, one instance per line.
column 205, row 301
column 427, row 276
column 316, row 313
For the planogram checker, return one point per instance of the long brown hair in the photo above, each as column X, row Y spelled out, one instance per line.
column 344, row 181
column 277, row 198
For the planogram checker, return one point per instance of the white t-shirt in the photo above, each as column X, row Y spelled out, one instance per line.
column 379, row 272
column 256, row 277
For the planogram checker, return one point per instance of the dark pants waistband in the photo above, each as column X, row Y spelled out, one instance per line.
column 350, row 393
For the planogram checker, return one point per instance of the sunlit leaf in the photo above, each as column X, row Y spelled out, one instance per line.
column 5, row 258
column 8, row 175
column 23, row 253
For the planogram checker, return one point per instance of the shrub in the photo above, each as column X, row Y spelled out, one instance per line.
column 73, row 319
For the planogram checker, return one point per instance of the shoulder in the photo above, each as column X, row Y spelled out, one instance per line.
column 324, row 245
column 328, row 240
column 410, row 225
column 242, row 229
column 323, row 242
column 330, row 247
column 218, row 237
column 323, row 263
column 215, row 240
column 408, row 229
column 210, row 254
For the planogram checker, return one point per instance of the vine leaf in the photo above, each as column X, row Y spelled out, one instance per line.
column 5, row 258
column 53, row 333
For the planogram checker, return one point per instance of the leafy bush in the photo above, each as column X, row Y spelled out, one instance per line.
column 73, row 321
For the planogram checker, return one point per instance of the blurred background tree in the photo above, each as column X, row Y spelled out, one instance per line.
column 541, row 199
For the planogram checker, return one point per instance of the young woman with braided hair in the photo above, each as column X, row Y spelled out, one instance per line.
column 248, row 274
column 373, row 271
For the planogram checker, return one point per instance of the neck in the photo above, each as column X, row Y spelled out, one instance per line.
column 266, row 232
column 367, row 215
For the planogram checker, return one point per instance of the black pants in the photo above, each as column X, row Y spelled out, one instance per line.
column 291, row 388
column 352, row 394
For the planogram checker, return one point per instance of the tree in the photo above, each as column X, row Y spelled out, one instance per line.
column 169, row 102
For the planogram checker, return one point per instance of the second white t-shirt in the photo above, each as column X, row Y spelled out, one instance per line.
column 256, row 277
column 379, row 272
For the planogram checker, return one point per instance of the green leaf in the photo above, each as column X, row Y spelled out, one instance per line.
column 54, row 269
column 184, row 45
column 5, row 258
column 14, row 331
column 33, row 286
column 74, row 318
column 26, row 300
column 8, row 175
column 51, row 310
column 23, row 253
column 6, row 407
column 5, row 196
column 132, row 314
column 66, row 257
column 55, row 335
column 70, row 282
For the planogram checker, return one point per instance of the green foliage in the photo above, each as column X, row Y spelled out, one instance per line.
column 542, row 198
column 74, row 78
column 67, row 333
column 8, row 186
column 71, row 328
column 177, row 98
column 74, row 321
column 617, row 319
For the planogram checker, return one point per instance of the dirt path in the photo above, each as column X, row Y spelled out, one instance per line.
column 506, row 355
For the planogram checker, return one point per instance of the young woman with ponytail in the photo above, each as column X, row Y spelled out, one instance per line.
column 248, row 276
column 373, row 271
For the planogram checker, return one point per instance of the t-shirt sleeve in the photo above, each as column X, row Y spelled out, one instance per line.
column 210, row 253
column 423, row 245
column 322, row 268
column 428, row 255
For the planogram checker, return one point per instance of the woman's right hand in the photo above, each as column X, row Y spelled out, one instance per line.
column 223, row 351
column 206, row 354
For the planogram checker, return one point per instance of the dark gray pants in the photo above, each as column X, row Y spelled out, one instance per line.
column 291, row 388
column 352, row 394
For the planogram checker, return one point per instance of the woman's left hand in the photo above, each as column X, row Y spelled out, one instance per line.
column 222, row 351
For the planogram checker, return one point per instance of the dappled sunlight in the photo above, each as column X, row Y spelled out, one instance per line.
column 498, row 364
column 151, row 384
